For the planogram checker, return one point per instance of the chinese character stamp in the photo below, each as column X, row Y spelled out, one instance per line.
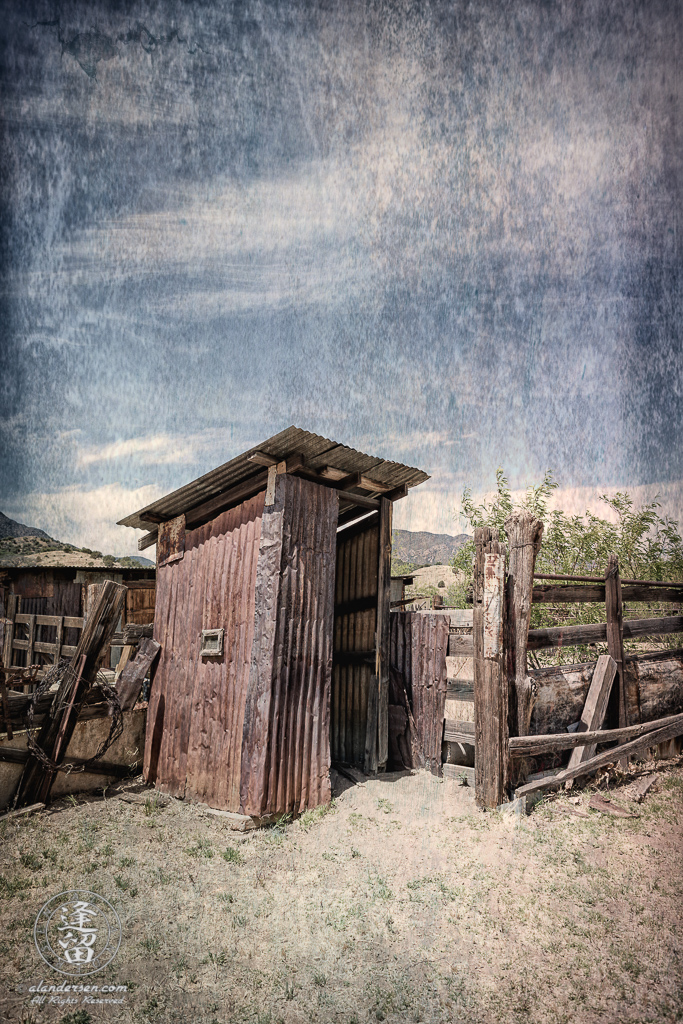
column 77, row 932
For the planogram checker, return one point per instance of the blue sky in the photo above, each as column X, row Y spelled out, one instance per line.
column 442, row 233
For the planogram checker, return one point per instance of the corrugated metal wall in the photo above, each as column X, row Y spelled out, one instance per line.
column 419, row 645
column 196, row 711
column 354, row 640
column 286, row 746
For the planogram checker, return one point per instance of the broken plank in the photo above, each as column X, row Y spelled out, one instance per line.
column 22, row 812
column 554, row 742
column 606, row 757
column 130, row 681
column 643, row 787
column 595, row 707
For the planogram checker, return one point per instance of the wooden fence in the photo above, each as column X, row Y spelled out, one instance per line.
column 36, row 640
column 621, row 702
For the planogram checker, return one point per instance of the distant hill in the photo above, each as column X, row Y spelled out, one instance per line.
column 10, row 528
column 27, row 546
column 426, row 548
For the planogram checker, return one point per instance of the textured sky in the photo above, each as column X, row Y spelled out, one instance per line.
column 445, row 233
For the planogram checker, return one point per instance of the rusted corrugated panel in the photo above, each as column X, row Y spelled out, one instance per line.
column 357, row 563
column 171, row 541
column 317, row 452
column 419, row 644
column 286, row 746
column 196, row 710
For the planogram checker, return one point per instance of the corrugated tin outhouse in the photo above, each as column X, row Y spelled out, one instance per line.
column 272, row 609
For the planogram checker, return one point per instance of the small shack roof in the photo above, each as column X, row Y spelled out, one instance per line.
column 319, row 454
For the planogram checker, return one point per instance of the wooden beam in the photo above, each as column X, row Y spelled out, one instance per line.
column 491, row 760
column 553, row 743
column 601, row 579
column 524, row 532
column 147, row 540
column 552, row 594
column 650, row 739
column 570, row 636
column 263, row 459
column 595, row 707
column 335, row 475
column 460, row 646
column 214, row 506
column 383, row 631
column 397, row 493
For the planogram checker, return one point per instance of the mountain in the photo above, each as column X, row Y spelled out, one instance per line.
column 10, row 528
column 140, row 560
column 426, row 548
column 26, row 546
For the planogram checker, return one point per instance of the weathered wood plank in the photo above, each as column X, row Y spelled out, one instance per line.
column 524, row 534
column 460, row 646
column 459, row 772
column 595, row 707
column 129, row 683
column 601, row 580
column 555, row 742
column 490, row 679
column 624, row 750
column 562, row 689
column 592, row 633
column 568, row 594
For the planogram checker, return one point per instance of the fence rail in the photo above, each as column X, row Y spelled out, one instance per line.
column 503, row 689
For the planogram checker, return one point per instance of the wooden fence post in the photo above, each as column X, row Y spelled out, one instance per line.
column 491, row 759
column 615, row 644
column 524, row 534
column 12, row 610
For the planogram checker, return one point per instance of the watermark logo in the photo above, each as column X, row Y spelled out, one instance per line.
column 77, row 932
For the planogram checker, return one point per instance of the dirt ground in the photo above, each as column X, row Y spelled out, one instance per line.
column 401, row 902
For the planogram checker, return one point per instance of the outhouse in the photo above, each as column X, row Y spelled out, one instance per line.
column 272, row 611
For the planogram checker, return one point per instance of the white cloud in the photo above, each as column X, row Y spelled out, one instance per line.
column 86, row 518
column 154, row 450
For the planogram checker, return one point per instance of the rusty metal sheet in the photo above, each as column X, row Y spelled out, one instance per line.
column 196, row 709
column 286, row 737
column 317, row 451
column 171, row 541
column 418, row 682
column 494, row 583
column 357, row 564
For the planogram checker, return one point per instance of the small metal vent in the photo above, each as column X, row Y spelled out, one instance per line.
column 212, row 643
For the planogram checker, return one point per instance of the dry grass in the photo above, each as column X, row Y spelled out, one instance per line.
column 401, row 902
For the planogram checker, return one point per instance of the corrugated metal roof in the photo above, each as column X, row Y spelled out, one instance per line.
column 316, row 451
